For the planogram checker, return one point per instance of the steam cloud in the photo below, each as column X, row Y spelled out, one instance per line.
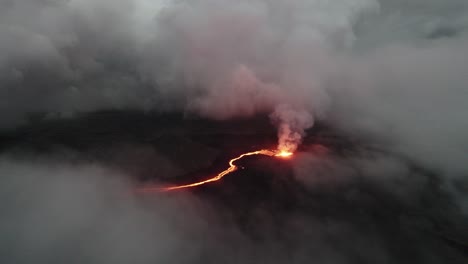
column 291, row 126
column 393, row 73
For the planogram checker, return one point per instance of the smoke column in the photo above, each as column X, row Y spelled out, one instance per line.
column 291, row 126
column 238, row 59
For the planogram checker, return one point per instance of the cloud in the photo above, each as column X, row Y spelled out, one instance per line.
column 411, row 98
column 52, row 212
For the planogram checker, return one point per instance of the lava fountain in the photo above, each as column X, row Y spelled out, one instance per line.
column 219, row 176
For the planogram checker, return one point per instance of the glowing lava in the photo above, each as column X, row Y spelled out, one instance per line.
column 284, row 154
column 232, row 168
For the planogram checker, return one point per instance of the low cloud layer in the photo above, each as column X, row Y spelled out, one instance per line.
column 55, row 212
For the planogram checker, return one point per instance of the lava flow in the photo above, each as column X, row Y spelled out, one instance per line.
column 232, row 168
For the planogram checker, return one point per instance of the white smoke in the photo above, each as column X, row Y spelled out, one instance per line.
column 247, row 57
column 291, row 126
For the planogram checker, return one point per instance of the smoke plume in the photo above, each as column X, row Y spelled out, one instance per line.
column 250, row 57
column 291, row 126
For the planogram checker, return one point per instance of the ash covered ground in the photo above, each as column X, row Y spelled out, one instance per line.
column 66, row 196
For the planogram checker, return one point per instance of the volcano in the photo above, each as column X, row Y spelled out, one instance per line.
column 321, row 194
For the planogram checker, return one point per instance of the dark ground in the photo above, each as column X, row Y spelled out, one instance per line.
column 264, row 198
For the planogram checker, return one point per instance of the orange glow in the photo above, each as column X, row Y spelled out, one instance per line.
column 284, row 154
column 232, row 168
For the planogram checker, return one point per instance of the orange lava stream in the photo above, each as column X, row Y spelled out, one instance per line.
column 232, row 168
